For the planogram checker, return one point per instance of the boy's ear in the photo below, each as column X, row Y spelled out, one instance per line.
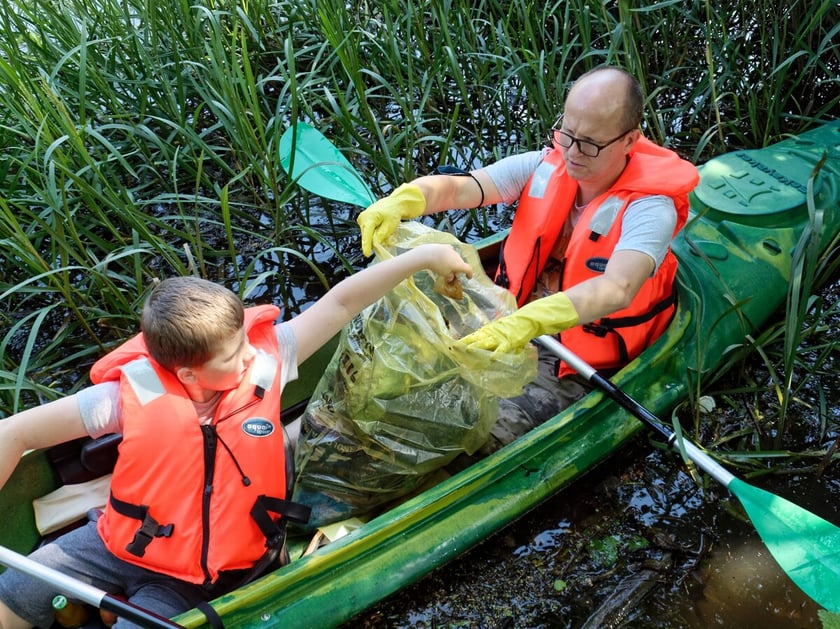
column 185, row 374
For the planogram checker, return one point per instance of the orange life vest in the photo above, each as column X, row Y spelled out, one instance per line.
column 542, row 211
column 187, row 500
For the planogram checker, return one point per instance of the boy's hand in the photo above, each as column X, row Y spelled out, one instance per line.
column 381, row 218
column 445, row 261
column 452, row 289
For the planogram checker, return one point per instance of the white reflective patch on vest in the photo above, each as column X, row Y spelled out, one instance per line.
column 143, row 380
column 604, row 216
column 540, row 179
column 263, row 370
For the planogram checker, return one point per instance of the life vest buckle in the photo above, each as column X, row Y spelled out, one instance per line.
column 598, row 330
column 143, row 536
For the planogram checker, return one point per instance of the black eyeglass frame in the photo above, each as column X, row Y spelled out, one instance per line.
column 555, row 130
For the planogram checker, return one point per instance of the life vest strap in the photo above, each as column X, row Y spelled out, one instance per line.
column 149, row 527
column 212, row 616
column 602, row 326
column 274, row 531
column 608, row 325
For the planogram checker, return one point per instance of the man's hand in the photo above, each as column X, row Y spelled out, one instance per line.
column 381, row 218
column 513, row 332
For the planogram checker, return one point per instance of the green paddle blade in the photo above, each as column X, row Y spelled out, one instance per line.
column 805, row 546
column 320, row 168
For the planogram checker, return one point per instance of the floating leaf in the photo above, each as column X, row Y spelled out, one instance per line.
column 706, row 404
column 829, row 620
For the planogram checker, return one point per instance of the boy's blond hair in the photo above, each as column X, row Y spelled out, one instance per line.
column 186, row 319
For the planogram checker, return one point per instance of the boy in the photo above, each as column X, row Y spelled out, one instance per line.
column 199, row 482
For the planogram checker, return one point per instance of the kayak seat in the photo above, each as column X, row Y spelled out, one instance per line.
column 83, row 467
column 99, row 456
column 84, row 459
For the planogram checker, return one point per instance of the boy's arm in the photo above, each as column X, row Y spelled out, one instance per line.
column 39, row 427
column 325, row 318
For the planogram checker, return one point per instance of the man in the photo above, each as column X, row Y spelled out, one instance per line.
column 588, row 254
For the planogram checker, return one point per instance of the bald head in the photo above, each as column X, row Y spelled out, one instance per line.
column 608, row 94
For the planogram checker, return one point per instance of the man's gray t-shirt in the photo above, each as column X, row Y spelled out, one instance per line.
column 647, row 226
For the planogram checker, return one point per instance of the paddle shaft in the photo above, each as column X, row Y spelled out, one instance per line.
column 84, row 592
column 591, row 375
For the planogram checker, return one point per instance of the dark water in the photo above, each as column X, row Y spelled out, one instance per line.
column 636, row 543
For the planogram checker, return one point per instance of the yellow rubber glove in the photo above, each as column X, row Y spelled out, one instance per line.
column 381, row 218
column 513, row 332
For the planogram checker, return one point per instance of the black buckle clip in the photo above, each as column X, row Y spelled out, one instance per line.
column 149, row 529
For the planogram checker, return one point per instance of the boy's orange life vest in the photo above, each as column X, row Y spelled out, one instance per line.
column 188, row 500
column 542, row 211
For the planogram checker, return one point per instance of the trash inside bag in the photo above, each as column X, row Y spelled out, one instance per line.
column 400, row 397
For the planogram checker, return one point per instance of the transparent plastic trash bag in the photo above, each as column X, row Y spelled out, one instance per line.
column 401, row 398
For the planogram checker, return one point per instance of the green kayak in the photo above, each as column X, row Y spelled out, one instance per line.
column 744, row 236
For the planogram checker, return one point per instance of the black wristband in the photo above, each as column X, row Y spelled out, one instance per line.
column 454, row 170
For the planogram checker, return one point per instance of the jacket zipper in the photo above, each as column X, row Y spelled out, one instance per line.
column 211, row 440
column 209, row 433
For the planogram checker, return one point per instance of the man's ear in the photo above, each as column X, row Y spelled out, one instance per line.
column 186, row 375
column 631, row 138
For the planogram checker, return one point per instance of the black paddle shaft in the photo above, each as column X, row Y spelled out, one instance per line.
column 596, row 379
column 591, row 375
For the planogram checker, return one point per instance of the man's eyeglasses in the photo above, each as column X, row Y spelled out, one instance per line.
column 590, row 149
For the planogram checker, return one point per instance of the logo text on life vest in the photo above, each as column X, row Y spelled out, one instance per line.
column 257, row 427
column 597, row 265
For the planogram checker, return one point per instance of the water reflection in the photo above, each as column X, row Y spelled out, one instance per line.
column 636, row 543
column 742, row 586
